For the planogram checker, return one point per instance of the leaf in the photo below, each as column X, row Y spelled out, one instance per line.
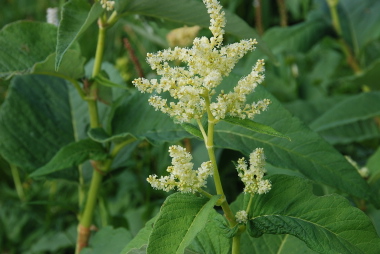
column 279, row 244
column 77, row 16
column 35, row 121
column 307, row 153
column 355, row 108
column 72, row 66
column 327, row 224
column 104, row 81
column 181, row 217
column 136, row 118
column 108, row 240
column 297, row 38
column 140, row 241
column 211, row 240
column 254, row 126
column 72, row 155
column 23, row 44
column 361, row 24
column 192, row 130
column 193, row 13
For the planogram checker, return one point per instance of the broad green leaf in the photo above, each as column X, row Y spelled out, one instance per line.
column 299, row 38
column 211, row 239
column 108, row 240
column 140, row 241
column 355, row 108
column 374, row 172
column 326, row 224
column 193, row 13
column 181, row 218
column 72, row 66
column 23, row 44
column 35, row 121
column 254, row 126
column 77, row 16
column 273, row 244
column 307, row 153
column 136, row 118
column 72, row 155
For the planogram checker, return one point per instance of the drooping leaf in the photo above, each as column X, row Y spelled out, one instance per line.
column 211, row 239
column 71, row 67
column 181, row 218
column 254, row 126
column 108, row 240
column 72, row 155
column 23, row 44
column 326, row 224
column 77, row 16
column 307, row 153
column 35, row 121
column 192, row 13
column 136, row 118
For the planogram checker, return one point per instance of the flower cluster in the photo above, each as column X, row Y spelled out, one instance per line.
column 241, row 217
column 108, row 5
column 252, row 177
column 182, row 36
column 192, row 87
column 182, row 176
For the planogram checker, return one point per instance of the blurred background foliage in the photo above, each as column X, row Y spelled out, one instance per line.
column 316, row 66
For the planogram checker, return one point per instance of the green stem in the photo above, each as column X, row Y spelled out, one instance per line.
column 236, row 244
column 17, row 182
column 209, row 142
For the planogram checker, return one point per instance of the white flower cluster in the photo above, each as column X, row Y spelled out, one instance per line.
column 241, row 217
column 192, row 87
column 182, row 176
column 252, row 177
column 108, row 5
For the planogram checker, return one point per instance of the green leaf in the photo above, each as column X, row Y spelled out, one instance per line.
column 23, row 44
column 35, row 121
column 280, row 244
column 355, row 108
column 72, row 155
column 181, row 218
column 254, row 126
column 77, row 16
column 192, row 130
column 140, row 241
column 326, row 224
column 134, row 117
column 104, row 81
column 307, row 153
column 193, row 13
column 108, row 240
column 211, row 240
column 72, row 66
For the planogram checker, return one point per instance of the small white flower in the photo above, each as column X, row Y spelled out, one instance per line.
column 182, row 176
column 252, row 177
column 207, row 63
column 52, row 16
column 108, row 5
column 241, row 217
